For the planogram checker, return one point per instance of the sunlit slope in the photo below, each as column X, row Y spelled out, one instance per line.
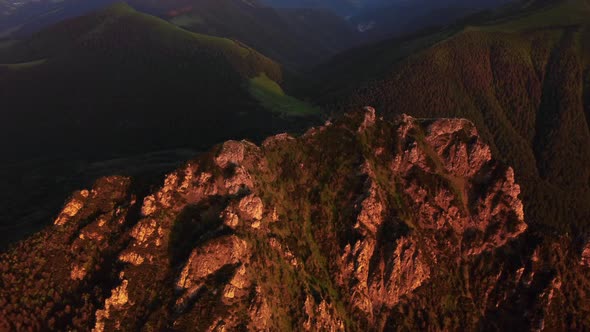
column 273, row 98
column 525, row 84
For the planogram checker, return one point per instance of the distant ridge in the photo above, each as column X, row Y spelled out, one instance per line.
column 294, row 37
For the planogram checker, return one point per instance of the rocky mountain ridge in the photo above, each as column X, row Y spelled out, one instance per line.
column 360, row 224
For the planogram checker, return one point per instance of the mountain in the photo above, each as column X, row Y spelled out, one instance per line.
column 118, row 83
column 361, row 224
column 295, row 37
column 459, row 203
column 141, row 62
column 523, row 80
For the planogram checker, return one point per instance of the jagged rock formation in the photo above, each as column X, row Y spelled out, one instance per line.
column 361, row 224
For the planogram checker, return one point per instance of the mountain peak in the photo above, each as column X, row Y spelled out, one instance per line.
column 337, row 221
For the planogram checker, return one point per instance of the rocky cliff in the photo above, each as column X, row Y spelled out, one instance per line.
column 360, row 224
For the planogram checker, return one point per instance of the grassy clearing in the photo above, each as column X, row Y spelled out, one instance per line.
column 272, row 97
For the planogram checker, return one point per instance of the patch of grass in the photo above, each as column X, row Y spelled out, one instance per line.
column 272, row 97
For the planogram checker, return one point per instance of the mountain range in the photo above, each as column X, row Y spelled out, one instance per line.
column 296, row 33
column 295, row 37
column 458, row 200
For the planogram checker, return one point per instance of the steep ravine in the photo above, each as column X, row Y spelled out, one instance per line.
column 361, row 224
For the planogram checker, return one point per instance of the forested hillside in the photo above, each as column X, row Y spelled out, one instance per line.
column 523, row 81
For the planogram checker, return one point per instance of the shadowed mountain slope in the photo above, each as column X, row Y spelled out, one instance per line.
column 119, row 83
column 121, row 70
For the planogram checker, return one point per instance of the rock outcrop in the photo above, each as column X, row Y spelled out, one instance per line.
column 361, row 224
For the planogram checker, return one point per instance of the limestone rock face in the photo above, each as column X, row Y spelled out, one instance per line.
column 441, row 167
column 361, row 224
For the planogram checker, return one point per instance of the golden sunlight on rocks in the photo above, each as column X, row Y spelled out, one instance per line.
column 78, row 272
column 291, row 235
column 72, row 208
column 149, row 206
column 117, row 300
column 251, row 208
column 232, row 152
